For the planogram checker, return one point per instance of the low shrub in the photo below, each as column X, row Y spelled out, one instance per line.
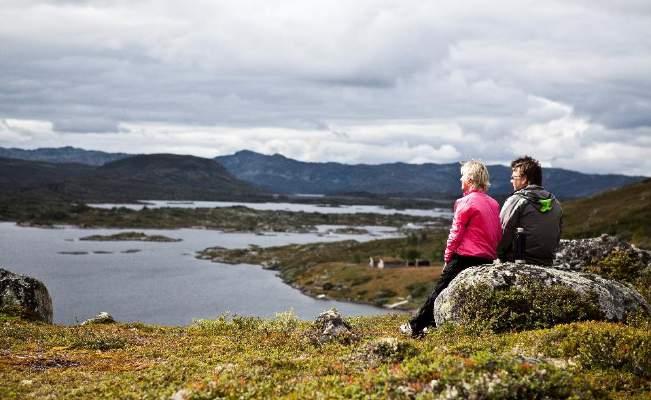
column 600, row 345
column 531, row 306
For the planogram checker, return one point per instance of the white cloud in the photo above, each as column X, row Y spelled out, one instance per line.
column 364, row 81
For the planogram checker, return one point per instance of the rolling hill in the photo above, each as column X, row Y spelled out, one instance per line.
column 625, row 212
column 156, row 176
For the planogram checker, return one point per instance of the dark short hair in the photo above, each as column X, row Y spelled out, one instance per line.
column 530, row 168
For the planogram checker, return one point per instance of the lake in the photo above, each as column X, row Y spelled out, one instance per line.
column 295, row 207
column 162, row 283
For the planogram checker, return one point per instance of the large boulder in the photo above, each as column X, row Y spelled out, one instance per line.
column 509, row 296
column 24, row 296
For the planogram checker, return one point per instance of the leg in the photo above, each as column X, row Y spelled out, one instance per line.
column 425, row 315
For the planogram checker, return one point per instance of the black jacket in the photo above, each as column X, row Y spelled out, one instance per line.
column 540, row 214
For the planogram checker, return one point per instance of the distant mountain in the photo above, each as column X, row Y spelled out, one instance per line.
column 63, row 155
column 20, row 175
column 625, row 212
column 281, row 174
column 156, row 176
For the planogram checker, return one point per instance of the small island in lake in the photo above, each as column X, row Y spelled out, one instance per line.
column 131, row 236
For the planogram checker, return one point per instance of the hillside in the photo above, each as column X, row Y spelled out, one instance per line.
column 19, row 175
column 251, row 358
column 282, row 174
column 156, row 176
column 164, row 177
column 625, row 212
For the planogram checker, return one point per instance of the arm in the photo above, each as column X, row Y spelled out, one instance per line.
column 462, row 214
column 509, row 219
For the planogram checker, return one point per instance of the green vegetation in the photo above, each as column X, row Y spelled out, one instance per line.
column 238, row 218
column 130, row 236
column 624, row 212
column 340, row 270
column 362, row 284
column 532, row 305
column 249, row 358
column 621, row 266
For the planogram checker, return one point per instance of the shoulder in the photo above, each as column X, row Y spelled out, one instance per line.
column 512, row 200
column 513, row 203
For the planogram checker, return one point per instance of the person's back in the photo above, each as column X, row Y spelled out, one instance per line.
column 539, row 213
column 534, row 209
column 481, row 226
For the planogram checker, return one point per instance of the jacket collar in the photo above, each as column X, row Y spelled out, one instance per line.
column 472, row 190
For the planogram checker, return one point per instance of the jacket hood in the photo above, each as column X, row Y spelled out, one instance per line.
column 538, row 196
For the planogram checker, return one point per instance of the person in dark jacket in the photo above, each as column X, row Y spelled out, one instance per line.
column 534, row 209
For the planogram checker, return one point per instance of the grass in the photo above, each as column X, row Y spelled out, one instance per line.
column 363, row 284
column 246, row 358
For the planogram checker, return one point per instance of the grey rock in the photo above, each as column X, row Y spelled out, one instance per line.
column 615, row 300
column 330, row 326
column 101, row 318
column 577, row 254
column 25, row 296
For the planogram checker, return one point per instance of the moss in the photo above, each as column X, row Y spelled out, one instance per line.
column 16, row 310
column 488, row 376
column 529, row 306
column 598, row 345
column 243, row 357
column 618, row 265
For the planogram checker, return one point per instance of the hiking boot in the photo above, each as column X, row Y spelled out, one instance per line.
column 407, row 330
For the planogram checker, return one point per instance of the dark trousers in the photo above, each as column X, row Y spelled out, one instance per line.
column 425, row 315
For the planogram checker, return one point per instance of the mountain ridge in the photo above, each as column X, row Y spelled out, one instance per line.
column 279, row 174
column 285, row 175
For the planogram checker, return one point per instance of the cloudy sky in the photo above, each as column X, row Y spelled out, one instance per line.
column 568, row 82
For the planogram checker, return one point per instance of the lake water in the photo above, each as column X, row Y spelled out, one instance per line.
column 324, row 209
column 162, row 283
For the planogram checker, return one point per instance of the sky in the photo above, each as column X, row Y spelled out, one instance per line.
column 567, row 82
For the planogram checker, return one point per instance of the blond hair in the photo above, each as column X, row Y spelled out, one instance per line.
column 477, row 173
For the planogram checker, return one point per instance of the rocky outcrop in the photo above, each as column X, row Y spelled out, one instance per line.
column 509, row 296
column 24, row 296
column 578, row 254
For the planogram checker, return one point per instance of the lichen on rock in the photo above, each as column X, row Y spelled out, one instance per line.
column 580, row 254
column 330, row 326
column 24, row 296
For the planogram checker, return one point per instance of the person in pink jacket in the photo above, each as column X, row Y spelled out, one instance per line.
column 473, row 239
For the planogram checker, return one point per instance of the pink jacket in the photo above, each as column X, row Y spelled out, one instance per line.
column 476, row 229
